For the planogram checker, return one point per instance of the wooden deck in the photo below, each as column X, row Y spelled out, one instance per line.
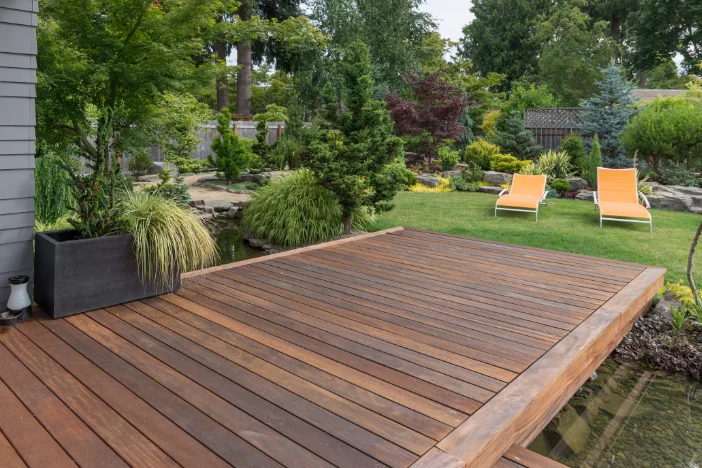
column 404, row 348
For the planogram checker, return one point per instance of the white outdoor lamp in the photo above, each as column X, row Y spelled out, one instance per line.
column 19, row 304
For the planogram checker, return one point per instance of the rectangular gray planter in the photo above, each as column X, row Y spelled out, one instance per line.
column 73, row 275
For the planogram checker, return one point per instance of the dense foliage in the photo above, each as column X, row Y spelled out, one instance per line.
column 574, row 48
column 232, row 155
column 594, row 161
column 168, row 240
column 501, row 37
column 351, row 147
column 574, row 147
column 294, row 210
column 432, row 115
column 513, row 138
column 139, row 165
column 667, row 130
column 480, row 152
column 53, row 197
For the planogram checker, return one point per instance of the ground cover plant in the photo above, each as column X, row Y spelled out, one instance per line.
column 565, row 225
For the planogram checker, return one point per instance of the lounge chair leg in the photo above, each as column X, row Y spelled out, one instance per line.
column 650, row 223
column 600, row 221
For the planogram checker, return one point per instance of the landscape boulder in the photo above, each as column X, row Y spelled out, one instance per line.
column 430, row 180
column 219, row 206
column 232, row 213
column 158, row 167
column 269, row 176
column 585, row 195
column 577, row 183
column 449, row 174
column 676, row 198
column 497, row 178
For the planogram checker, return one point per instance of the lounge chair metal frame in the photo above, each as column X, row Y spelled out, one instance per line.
column 626, row 220
column 523, row 210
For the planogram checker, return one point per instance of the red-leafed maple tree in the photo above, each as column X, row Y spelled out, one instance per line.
column 432, row 115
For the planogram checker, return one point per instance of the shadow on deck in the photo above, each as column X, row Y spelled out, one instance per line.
column 402, row 348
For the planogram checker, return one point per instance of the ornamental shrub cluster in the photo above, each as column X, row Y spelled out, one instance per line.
column 479, row 152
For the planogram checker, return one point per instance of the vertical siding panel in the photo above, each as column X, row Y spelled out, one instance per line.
column 18, row 48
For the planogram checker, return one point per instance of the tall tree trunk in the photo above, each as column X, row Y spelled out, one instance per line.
column 690, row 263
column 244, row 60
column 615, row 30
column 348, row 222
column 222, row 81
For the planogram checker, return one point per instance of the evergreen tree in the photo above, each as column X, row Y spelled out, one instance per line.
column 232, row 154
column 514, row 139
column 352, row 147
column 608, row 113
column 594, row 161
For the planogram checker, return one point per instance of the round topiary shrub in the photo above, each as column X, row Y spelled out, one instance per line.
column 294, row 210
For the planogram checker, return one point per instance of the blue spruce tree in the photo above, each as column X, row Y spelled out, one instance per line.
column 608, row 113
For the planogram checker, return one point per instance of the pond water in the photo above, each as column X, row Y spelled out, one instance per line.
column 628, row 416
column 230, row 241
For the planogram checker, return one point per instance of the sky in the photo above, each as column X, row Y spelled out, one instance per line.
column 451, row 16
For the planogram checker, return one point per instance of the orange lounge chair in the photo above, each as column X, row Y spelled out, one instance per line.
column 617, row 197
column 526, row 194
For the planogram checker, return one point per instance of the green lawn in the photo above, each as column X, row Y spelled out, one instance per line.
column 566, row 225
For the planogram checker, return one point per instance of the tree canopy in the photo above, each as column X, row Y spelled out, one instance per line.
column 501, row 38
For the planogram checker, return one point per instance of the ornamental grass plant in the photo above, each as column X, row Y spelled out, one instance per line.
column 168, row 240
column 294, row 210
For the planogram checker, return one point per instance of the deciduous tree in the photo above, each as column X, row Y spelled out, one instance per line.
column 433, row 114
column 574, row 49
column 501, row 37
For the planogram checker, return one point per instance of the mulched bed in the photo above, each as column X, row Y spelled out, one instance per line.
column 653, row 341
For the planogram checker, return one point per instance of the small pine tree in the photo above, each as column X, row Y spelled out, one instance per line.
column 514, row 139
column 574, row 146
column 594, row 161
column 608, row 114
column 232, row 155
column 139, row 165
column 352, row 149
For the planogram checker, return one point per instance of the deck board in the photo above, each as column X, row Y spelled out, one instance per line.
column 402, row 348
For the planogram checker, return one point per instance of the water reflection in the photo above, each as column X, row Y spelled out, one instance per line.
column 230, row 241
column 628, row 417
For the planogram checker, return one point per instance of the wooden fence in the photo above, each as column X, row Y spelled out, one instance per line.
column 207, row 133
column 550, row 126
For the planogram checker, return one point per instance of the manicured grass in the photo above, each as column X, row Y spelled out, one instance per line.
column 566, row 225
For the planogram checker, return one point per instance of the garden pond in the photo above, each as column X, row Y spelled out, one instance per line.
column 628, row 416
column 230, row 240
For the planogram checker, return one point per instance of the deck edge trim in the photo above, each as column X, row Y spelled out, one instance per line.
column 627, row 304
column 288, row 253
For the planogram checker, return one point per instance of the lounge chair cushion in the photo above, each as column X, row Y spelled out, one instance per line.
column 519, row 201
column 625, row 210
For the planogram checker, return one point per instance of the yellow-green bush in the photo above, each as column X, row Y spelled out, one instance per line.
column 507, row 163
column 480, row 152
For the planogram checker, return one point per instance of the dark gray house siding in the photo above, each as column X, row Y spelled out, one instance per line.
column 18, row 50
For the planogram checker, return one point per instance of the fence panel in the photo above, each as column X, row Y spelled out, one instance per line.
column 550, row 126
column 207, row 133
